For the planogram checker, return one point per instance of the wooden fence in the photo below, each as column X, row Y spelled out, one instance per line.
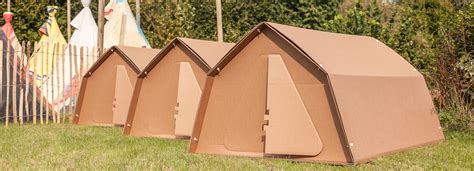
column 41, row 81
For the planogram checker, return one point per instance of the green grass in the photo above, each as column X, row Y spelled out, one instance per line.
column 66, row 146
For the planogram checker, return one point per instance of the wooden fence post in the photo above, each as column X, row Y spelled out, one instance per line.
column 34, row 100
column 58, row 85
column 8, row 5
column 94, row 55
column 2, row 71
column 41, row 80
column 76, row 73
column 137, row 11
column 68, row 13
column 7, row 107
column 53, row 67
column 81, row 69
column 63, row 80
column 7, row 68
column 47, row 87
column 27, row 80
column 81, row 66
column 71, row 90
column 100, row 25
column 14, row 81
column 20, row 83
column 220, row 33
column 86, row 59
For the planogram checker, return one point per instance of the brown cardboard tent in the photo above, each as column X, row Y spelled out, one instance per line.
column 106, row 88
column 167, row 92
column 313, row 96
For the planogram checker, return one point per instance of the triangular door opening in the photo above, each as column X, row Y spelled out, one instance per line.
column 189, row 94
column 289, row 129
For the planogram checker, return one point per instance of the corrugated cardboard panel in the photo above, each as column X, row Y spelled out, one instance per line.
column 97, row 103
column 80, row 100
column 236, row 102
column 133, row 106
column 246, row 91
column 123, row 95
column 189, row 94
column 155, row 105
column 385, row 114
column 367, row 97
column 139, row 56
column 200, row 114
column 313, row 88
column 290, row 130
column 136, row 58
column 204, row 53
column 347, row 54
column 210, row 51
column 234, row 114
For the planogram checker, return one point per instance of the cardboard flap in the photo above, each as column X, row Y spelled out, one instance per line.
column 189, row 94
column 290, row 130
column 123, row 95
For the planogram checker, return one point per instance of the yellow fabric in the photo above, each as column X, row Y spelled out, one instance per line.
column 52, row 38
column 49, row 50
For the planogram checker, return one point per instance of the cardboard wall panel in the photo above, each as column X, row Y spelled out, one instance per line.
column 98, row 97
column 189, row 94
column 399, row 114
column 155, row 105
column 122, row 96
column 238, row 95
column 290, row 130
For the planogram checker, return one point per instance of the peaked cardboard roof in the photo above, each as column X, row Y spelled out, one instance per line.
column 140, row 56
column 137, row 58
column 211, row 52
column 334, row 53
column 208, row 53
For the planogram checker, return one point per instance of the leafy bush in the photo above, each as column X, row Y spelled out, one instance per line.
column 164, row 21
column 454, row 67
column 435, row 37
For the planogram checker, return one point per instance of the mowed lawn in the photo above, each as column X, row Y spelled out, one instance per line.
column 67, row 146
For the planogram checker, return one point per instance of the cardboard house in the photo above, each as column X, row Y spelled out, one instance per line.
column 167, row 92
column 314, row 96
column 106, row 88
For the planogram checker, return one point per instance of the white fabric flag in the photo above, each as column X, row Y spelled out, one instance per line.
column 121, row 27
column 85, row 35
